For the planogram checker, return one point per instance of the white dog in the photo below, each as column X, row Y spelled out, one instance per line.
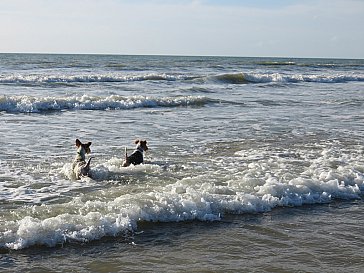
column 80, row 167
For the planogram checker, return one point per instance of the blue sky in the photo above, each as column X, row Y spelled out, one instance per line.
column 282, row 28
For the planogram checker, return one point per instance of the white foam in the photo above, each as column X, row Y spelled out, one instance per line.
column 265, row 180
column 246, row 77
column 29, row 104
column 64, row 227
column 253, row 77
column 86, row 78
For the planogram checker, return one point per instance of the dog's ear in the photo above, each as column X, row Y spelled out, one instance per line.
column 137, row 141
column 78, row 142
column 87, row 147
column 143, row 144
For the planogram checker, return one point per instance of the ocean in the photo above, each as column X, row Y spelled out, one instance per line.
column 254, row 164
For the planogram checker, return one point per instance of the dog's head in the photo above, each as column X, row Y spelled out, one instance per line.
column 142, row 144
column 85, row 146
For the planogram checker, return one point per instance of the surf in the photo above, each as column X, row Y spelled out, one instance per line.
column 30, row 104
column 250, row 77
column 87, row 78
column 247, row 181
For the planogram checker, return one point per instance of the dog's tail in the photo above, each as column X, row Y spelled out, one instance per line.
column 88, row 163
column 126, row 153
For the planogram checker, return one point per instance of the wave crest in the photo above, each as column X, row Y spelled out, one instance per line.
column 29, row 104
column 227, row 78
column 86, row 78
column 245, row 78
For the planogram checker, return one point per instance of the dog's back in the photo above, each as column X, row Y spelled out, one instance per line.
column 136, row 157
column 80, row 166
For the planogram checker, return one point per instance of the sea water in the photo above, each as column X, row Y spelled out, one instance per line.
column 254, row 164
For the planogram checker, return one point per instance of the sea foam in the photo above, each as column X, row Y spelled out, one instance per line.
column 86, row 78
column 233, row 78
column 245, row 78
column 30, row 104
column 255, row 189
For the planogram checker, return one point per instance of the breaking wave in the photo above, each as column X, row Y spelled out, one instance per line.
column 86, row 78
column 190, row 198
column 29, row 104
column 227, row 78
column 267, row 180
column 245, row 78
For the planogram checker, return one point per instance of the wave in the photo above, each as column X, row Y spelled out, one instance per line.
column 313, row 63
column 276, row 63
column 29, row 104
column 200, row 197
column 229, row 78
column 245, row 78
column 185, row 200
column 87, row 78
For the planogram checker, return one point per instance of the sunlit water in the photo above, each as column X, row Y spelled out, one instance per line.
column 255, row 164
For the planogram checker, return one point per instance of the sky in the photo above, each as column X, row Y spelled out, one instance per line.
column 248, row 28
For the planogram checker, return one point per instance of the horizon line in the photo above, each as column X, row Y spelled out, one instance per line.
column 177, row 55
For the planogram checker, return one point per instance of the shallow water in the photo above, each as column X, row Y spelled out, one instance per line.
column 303, row 239
column 255, row 164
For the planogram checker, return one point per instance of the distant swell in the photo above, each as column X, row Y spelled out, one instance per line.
column 245, row 78
column 28, row 104
column 276, row 63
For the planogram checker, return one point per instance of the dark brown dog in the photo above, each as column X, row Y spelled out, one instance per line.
column 136, row 157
